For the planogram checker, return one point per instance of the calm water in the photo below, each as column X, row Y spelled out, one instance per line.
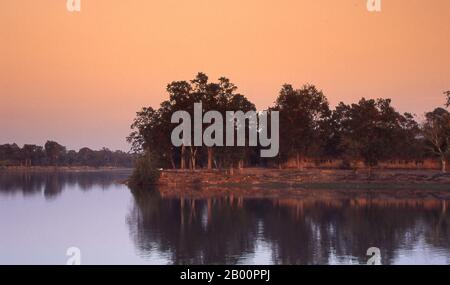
column 42, row 215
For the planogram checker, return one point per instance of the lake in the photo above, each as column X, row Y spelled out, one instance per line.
column 44, row 214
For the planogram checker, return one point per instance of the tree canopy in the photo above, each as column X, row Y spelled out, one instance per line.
column 55, row 154
column 368, row 131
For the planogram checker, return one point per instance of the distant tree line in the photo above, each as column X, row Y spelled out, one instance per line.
column 371, row 130
column 54, row 154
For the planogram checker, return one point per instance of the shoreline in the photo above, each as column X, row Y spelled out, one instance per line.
column 265, row 178
column 62, row 169
column 306, row 184
column 281, row 180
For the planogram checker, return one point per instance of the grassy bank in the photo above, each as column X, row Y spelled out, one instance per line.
column 264, row 178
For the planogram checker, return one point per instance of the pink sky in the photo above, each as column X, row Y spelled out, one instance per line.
column 79, row 78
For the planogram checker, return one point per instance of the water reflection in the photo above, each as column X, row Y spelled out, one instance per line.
column 297, row 230
column 215, row 226
column 52, row 183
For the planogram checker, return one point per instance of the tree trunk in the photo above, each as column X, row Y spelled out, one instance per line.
column 444, row 164
column 193, row 157
column 210, row 158
column 193, row 163
column 298, row 160
column 241, row 165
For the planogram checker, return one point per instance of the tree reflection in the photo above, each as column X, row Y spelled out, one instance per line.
column 192, row 231
column 51, row 184
column 307, row 230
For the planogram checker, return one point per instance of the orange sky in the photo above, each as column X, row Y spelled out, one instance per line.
column 79, row 78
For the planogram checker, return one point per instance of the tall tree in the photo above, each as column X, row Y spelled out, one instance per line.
column 235, row 156
column 372, row 130
column 32, row 154
column 151, row 133
column 436, row 130
column 222, row 97
column 54, row 151
column 302, row 113
column 180, row 99
column 10, row 153
column 201, row 91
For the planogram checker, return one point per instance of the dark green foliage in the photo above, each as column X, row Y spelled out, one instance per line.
column 373, row 130
column 152, row 128
column 436, row 130
column 54, row 154
column 54, row 151
column 303, row 113
column 369, row 131
column 145, row 173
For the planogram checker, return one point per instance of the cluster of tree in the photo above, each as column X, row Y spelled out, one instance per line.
column 54, row 154
column 369, row 131
column 152, row 128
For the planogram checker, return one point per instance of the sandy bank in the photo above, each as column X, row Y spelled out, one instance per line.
column 310, row 178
